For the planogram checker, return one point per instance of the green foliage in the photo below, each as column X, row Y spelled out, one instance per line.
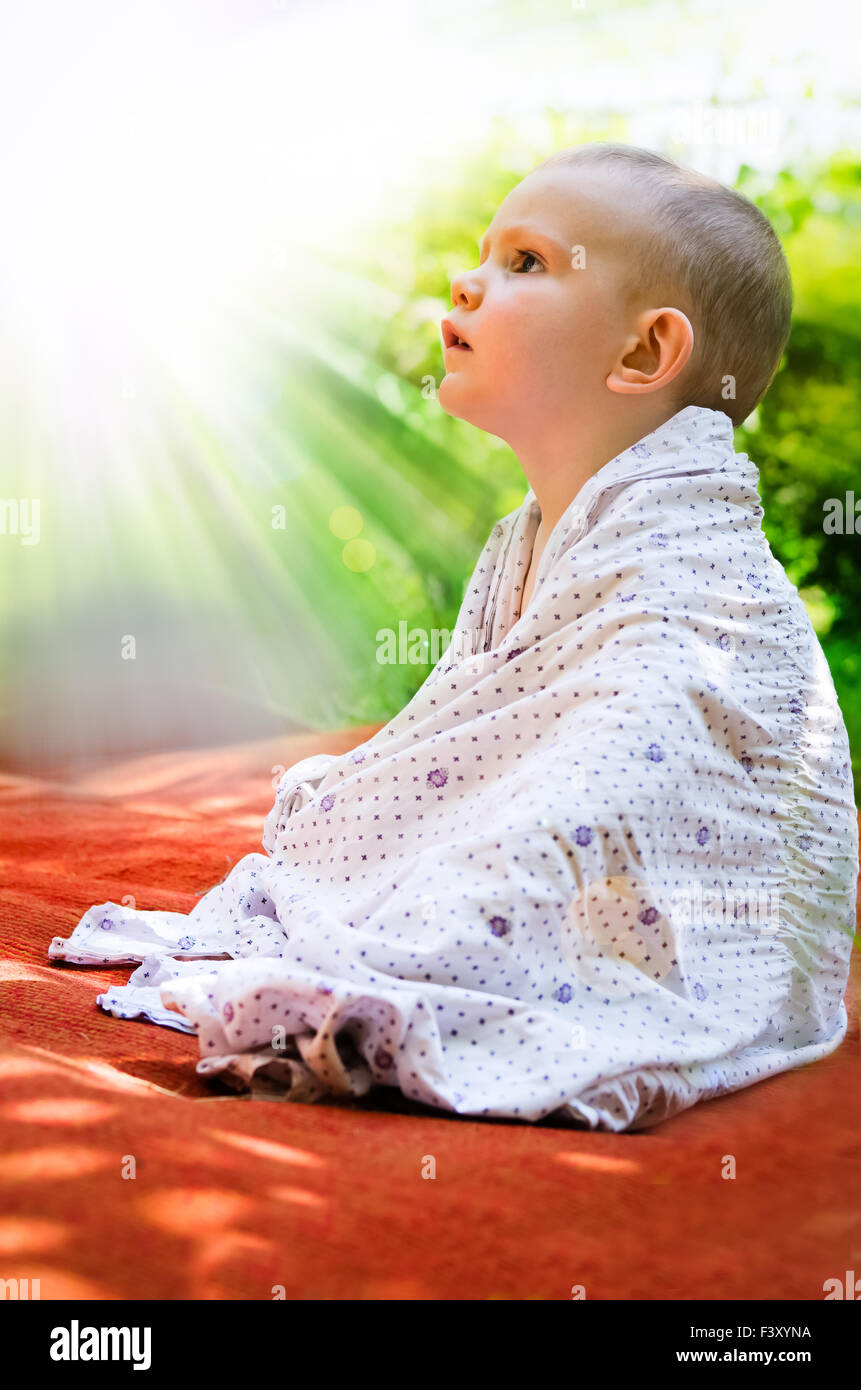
column 805, row 435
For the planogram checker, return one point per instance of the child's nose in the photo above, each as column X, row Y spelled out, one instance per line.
column 466, row 288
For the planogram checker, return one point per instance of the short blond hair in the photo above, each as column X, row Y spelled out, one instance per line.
column 720, row 251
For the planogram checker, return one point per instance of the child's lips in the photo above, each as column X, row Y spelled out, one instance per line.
column 452, row 340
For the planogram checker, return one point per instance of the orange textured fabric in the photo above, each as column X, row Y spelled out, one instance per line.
column 234, row 1198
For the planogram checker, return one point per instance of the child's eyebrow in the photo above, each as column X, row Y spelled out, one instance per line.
column 523, row 229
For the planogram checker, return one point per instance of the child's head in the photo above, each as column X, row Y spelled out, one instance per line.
column 612, row 280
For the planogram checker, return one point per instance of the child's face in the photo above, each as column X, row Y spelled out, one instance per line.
column 544, row 312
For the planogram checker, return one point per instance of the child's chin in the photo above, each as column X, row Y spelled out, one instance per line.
column 462, row 404
column 453, row 396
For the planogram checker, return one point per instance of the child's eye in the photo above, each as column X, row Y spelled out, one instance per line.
column 529, row 256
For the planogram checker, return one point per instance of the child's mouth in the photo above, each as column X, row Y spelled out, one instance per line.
column 452, row 341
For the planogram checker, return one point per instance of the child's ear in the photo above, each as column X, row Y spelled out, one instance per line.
column 655, row 355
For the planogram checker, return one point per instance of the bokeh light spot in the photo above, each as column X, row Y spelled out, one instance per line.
column 345, row 523
column 359, row 555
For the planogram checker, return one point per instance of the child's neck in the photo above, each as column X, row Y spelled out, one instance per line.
column 557, row 471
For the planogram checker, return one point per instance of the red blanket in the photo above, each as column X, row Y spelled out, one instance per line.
column 376, row 1198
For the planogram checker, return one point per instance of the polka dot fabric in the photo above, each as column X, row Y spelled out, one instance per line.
column 602, row 866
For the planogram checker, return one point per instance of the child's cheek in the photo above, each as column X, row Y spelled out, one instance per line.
column 519, row 339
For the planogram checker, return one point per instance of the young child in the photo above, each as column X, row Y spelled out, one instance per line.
column 603, row 864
